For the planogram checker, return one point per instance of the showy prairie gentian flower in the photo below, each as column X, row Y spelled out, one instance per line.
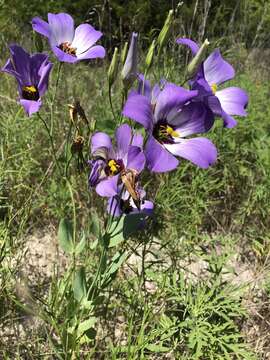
column 69, row 45
column 32, row 75
column 110, row 163
column 169, row 117
column 122, row 203
column 213, row 72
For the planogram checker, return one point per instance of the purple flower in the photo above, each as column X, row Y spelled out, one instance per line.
column 169, row 116
column 69, row 45
column 32, row 74
column 110, row 162
column 213, row 72
column 122, row 203
column 129, row 72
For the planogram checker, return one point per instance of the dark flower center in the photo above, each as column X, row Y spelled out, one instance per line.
column 114, row 167
column 125, row 206
column 30, row 93
column 164, row 133
column 66, row 47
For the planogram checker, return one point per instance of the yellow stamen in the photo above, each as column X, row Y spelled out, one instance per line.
column 114, row 167
column 214, row 88
column 171, row 132
column 31, row 89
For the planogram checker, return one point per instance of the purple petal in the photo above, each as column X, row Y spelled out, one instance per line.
column 100, row 139
column 135, row 159
column 144, row 87
column 41, row 26
column 158, row 158
column 30, row 106
column 62, row 28
column 138, row 108
column 21, row 62
column 123, row 139
column 200, row 151
column 194, row 118
column 216, row 69
column 85, row 37
column 44, row 78
column 171, row 97
column 214, row 104
column 137, row 140
column 194, row 47
column 113, row 206
column 9, row 69
column 228, row 121
column 233, row 100
column 108, row 187
column 93, row 53
column 62, row 56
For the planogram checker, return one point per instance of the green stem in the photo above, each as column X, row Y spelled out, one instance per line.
column 51, row 141
column 54, row 96
column 111, row 104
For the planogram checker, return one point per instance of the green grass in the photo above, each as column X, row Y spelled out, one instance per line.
column 204, row 215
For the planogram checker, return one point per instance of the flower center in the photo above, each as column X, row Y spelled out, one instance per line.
column 66, row 47
column 164, row 133
column 114, row 167
column 30, row 93
column 214, row 88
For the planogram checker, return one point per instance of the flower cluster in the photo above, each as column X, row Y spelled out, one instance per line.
column 171, row 116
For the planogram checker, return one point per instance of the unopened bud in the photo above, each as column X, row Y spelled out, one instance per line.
column 150, row 55
column 197, row 60
column 165, row 31
column 129, row 72
column 124, row 53
column 112, row 72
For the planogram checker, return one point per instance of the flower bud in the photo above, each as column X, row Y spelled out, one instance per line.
column 165, row 31
column 112, row 72
column 197, row 60
column 129, row 72
column 150, row 55
column 124, row 53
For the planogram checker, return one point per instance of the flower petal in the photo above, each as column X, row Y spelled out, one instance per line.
column 138, row 108
column 123, row 139
column 108, row 187
column 194, row 47
column 30, row 106
column 137, row 140
column 113, row 207
column 214, row 104
column 170, row 98
column 93, row 53
column 85, row 37
column 216, row 69
column 144, row 86
column 233, row 100
column 41, row 26
column 228, row 121
column 62, row 56
column 100, row 139
column 135, row 159
column 158, row 158
column 62, row 28
column 194, row 118
column 200, row 151
column 21, row 62
column 44, row 78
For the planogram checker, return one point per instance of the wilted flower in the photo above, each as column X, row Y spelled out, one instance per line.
column 32, row 75
column 129, row 72
column 122, row 203
column 69, row 45
column 110, row 163
column 169, row 115
column 213, row 72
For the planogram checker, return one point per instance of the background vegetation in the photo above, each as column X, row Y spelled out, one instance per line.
column 196, row 282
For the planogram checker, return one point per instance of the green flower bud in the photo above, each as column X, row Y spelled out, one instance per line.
column 150, row 55
column 197, row 60
column 112, row 72
column 165, row 31
column 124, row 53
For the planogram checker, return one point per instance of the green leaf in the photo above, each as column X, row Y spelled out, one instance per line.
column 95, row 226
column 117, row 235
column 65, row 236
column 157, row 348
column 81, row 245
column 79, row 284
column 86, row 325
